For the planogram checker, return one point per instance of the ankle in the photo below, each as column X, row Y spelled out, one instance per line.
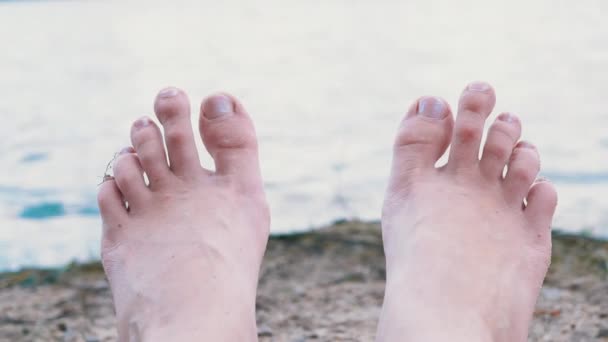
column 189, row 326
column 416, row 316
column 434, row 326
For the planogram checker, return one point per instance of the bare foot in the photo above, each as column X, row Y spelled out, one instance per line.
column 183, row 253
column 465, row 257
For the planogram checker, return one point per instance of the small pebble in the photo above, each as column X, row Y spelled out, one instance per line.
column 603, row 333
column 264, row 331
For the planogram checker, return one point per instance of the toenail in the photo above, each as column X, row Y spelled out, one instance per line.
column 525, row 144
column 478, row 86
column 507, row 117
column 218, row 106
column 432, row 107
column 542, row 180
column 107, row 178
column 141, row 123
column 168, row 92
column 127, row 150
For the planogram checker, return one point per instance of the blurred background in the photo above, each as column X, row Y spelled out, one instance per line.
column 326, row 82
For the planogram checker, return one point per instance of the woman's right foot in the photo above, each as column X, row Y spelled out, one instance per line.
column 183, row 252
column 466, row 258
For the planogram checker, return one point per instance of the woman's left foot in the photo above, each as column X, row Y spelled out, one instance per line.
column 464, row 245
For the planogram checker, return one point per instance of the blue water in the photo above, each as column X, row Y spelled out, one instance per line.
column 326, row 83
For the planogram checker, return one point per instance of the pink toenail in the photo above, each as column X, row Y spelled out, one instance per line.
column 478, row 86
column 507, row 117
column 432, row 107
column 218, row 106
column 168, row 92
column 141, row 122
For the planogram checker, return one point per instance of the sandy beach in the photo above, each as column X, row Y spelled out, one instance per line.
column 326, row 82
column 326, row 285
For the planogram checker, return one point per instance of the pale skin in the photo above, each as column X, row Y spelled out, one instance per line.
column 463, row 252
column 183, row 253
column 183, row 260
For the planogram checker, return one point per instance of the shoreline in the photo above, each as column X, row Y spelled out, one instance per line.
column 52, row 272
column 309, row 284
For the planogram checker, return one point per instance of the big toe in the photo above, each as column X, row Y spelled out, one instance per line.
column 422, row 138
column 229, row 136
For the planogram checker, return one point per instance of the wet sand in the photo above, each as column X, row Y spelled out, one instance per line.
column 325, row 285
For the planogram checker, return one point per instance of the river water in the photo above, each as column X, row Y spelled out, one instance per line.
column 325, row 81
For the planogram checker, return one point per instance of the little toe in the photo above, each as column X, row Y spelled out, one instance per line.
column 129, row 178
column 541, row 203
column 476, row 103
column 521, row 171
column 229, row 136
column 148, row 144
column 422, row 138
column 502, row 137
column 173, row 111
